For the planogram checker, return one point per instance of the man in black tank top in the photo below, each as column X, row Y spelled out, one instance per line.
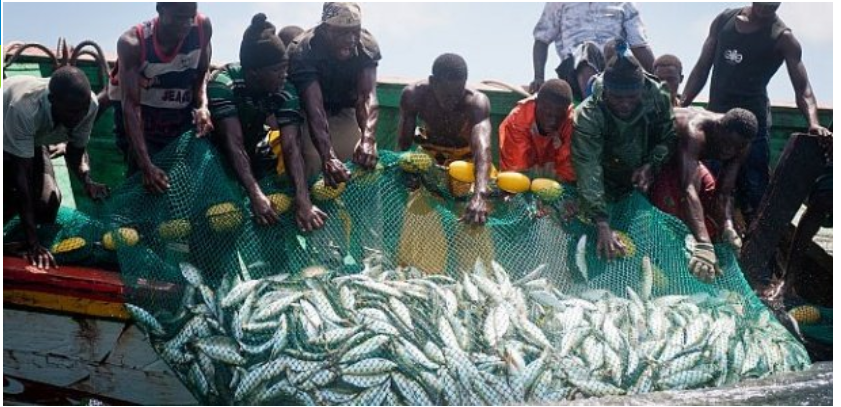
column 744, row 49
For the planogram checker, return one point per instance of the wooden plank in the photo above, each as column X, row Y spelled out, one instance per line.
column 60, row 335
column 97, row 356
column 132, row 385
column 21, row 392
column 133, row 350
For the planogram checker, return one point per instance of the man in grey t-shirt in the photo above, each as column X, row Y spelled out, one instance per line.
column 37, row 113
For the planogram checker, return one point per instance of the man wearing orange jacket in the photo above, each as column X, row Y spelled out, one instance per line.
column 536, row 136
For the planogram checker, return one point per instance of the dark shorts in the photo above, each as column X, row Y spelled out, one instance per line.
column 667, row 195
column 586, row 53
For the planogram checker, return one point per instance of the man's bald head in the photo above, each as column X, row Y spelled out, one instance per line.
column 70, row 83
column 70, row 96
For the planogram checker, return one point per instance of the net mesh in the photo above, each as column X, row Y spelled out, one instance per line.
column 395, row 301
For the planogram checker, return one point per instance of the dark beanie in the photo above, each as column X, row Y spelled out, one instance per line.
column 260, row 46
column 623, row 73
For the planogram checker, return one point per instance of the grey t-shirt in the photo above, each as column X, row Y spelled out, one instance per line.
column 28, row 120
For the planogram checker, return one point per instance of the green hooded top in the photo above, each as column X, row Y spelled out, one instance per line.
column 607, row 150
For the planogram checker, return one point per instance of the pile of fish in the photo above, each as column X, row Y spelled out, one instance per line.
column 398, row 337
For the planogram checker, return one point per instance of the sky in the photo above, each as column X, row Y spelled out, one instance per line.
column 494, row 38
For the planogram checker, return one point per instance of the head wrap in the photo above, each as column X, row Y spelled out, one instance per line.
column 341, row 14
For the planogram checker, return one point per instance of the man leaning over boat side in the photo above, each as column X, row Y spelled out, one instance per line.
column 687, row 189
column 454, row 125
column 246, row 96
column 536, row 136
column 334, row 68
column 160, row 87
column 744, row 49
column 623, row 133
column 38, row 112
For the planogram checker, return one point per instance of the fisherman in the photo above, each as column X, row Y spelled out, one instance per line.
column 455, row 125
column 38, row 113
column 579, row 31
column 669, row 70
column 160, row 86
column 536, row 137
column 686, row 189
column 744, row 49
column 334, row 68
column 245, row 97
column 622, row 136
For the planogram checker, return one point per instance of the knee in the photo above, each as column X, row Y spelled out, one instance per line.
column 47, row 208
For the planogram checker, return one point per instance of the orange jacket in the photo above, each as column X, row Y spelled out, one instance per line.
column 521, row 147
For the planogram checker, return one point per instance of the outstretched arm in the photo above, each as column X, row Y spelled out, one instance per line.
column 308, row 216
column 334, row 170
column 480, row 143
column 230, row 131
column 36, row 254
column 202, row 118
column 539, row 55
column 792, row 52
column 78, row 161
column 367, row 113
column 690, row 182
column 408, row 118
column 155, row 180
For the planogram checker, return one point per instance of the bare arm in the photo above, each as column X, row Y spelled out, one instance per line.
column 690, row 182
column 203, row 122
column 408, row 118
column 367, row 113
column 230, row 133
column 724, row 196
column 317, row 119
column 539, row 55
column 36, row 254
column 78, row 161
column 308, row 216
column 23, row 182
column 128, row 50
column 480, row 143
column 806, row 102
column 334, row 171
column 698, row 78
column 231, row 136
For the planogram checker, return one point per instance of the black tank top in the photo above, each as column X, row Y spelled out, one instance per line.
column 744, row 64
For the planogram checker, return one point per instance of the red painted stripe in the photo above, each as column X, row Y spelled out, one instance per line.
column 83, row 282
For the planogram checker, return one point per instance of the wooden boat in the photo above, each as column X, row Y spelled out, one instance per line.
column 67, row 335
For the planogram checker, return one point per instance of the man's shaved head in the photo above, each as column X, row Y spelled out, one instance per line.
column 70, row 83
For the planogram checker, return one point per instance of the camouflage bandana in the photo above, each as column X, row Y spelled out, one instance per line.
column 341, row 14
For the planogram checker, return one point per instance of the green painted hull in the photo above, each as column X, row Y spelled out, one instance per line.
column 107, row 163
